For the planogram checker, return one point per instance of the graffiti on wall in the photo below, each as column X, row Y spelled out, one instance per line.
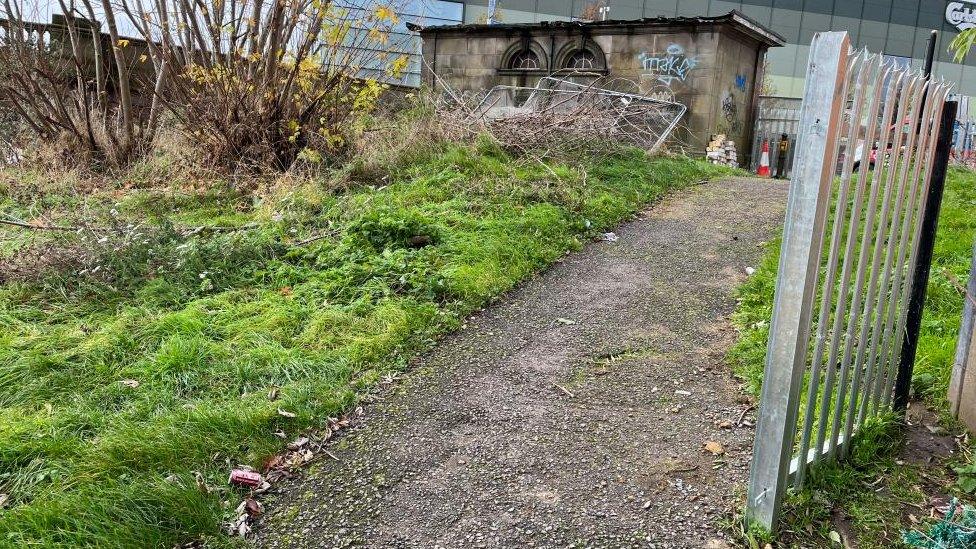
column 740, row 82
column 730, row 114
column 673, row 64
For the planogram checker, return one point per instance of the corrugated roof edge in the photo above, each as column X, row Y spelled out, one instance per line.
column 738, row 19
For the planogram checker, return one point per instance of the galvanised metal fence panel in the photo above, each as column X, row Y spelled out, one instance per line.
column 850, row 249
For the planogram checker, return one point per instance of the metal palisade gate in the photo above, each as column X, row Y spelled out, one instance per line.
column 851, row 245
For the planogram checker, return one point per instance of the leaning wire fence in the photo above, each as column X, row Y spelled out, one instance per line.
column 865, row 157
column 568, row 118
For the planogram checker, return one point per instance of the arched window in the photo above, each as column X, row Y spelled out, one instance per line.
column 582, row 60
column 524, row 55
column 581, row 56
column 525, row 60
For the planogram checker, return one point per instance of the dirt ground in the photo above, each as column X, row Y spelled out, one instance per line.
column 574, row 412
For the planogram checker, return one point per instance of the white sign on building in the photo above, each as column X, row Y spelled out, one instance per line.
column 962, row 15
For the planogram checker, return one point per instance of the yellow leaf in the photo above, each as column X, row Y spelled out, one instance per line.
column 714, row 448
column 385, row 13
column 378, row 36
column 123, row 43
column 398, row 66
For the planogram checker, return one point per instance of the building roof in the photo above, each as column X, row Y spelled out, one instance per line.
column 734, row 19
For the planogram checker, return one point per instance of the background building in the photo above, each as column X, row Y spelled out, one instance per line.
column 708, row 64
column 899, row 28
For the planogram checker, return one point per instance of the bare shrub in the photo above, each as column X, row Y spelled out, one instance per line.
column 11, row 131
column 59, row 85
column 408, row 132
column 257, row 84
column 592, row 11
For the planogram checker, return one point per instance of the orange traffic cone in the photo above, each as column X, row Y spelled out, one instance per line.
column 763, row 170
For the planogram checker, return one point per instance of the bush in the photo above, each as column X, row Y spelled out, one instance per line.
column 277, row 82
column 62, row 89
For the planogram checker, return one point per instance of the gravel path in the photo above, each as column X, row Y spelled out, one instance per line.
column 573, row 412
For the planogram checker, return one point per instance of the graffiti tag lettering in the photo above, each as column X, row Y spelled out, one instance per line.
column 740, row 82
column 672, row 65
column 730, row 110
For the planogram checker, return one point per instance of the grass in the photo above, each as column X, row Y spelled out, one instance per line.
column 208, row 323
column 876, row 515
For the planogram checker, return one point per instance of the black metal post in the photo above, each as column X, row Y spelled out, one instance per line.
column 927, row 71
column 930, row 53
column 926, row 244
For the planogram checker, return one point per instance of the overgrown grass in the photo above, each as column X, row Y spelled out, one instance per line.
column 208, row 323
column 875, row 515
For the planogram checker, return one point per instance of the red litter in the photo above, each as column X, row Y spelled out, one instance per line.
column 241, row 477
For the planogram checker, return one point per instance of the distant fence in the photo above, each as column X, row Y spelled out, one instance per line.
column 777, row 120
column 854, row 261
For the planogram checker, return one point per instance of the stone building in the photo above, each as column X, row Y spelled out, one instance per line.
column 710, row 64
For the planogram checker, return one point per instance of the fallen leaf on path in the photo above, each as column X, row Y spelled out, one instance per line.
column 297, row 443
column 565, row 321
column 835, row 537
column 714, row 448
column 253, row 507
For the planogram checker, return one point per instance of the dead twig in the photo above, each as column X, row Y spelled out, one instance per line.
column 565, row 390
column 315, row 238
column 742, row 416
column 962, row 289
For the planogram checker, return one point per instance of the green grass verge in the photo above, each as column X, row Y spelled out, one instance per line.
column 876, row 515
column 207, row 324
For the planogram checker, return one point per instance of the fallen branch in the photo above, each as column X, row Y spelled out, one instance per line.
column 37, row 227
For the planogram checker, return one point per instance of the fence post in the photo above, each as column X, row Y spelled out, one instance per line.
column 823, row 100
column 926, row 245
column 962, row 386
